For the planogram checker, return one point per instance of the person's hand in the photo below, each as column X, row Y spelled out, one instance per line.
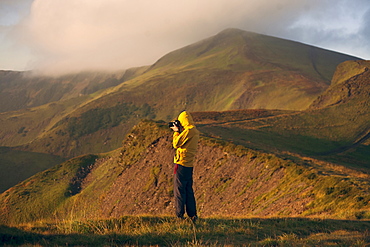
column 175, row 128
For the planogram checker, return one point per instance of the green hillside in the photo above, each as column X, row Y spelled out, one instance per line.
column 136, row 180
column 335, row 129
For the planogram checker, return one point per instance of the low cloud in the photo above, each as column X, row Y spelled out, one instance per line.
column 73, row 35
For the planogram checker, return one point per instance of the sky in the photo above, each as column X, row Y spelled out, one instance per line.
column 64, row 36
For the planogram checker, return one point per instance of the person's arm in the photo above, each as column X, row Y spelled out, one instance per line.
column 180, row 139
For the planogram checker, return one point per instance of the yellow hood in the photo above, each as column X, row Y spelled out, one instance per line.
column 186, row 119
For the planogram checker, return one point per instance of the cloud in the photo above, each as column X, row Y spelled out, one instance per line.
column 11, row 13
column 73, row 35
column 341, row 27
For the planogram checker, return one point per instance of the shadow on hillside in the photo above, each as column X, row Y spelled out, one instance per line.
column 168, row 231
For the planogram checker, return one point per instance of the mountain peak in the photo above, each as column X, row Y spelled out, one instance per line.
column 231, row 31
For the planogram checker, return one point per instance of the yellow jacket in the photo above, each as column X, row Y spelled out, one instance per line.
column 186, row 142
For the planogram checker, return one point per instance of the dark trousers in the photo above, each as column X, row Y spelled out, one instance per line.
column 183, row 191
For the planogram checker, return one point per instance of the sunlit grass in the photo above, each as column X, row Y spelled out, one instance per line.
column 169, row 231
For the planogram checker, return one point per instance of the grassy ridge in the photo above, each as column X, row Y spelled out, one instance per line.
column 136, row 179
column 39, row 196
column 167, row 231
column 56, row 191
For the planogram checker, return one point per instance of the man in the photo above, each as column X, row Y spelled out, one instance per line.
column 185, row 141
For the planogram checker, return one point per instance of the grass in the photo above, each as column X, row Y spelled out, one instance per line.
column 169, row 231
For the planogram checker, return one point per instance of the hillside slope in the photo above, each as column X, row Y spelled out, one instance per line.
column 335, row 129
column 350, row 81
column 229, row 181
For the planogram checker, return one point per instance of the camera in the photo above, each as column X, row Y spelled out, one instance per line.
column 175, row 123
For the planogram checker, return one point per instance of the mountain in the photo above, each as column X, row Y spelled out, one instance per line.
column 231, row 70
column 92, row 112
column 239, row 70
